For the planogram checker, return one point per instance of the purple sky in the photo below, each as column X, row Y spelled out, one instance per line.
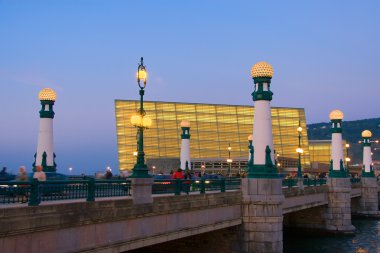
column 324, row 53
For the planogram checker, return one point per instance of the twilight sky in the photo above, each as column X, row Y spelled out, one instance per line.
column 324, row 53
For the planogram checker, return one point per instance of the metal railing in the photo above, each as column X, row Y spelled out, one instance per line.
column 178, row 186
column 355, row 180
column 33, row 192
column 291, row 182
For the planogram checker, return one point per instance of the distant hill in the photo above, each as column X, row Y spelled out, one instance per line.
column 352, row 133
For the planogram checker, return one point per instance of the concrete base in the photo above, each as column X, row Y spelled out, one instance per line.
column 141, row 190
column 262, row 215
column 300, row 183
column 369, row 202
column 338, row 212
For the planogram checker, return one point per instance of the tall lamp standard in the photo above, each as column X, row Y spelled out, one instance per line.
column 141, row 122
column 348, row 159
column 299, row 150
column 229, row 160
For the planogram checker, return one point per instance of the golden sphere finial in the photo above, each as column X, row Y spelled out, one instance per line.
column 47, row 94
column 185, row 123
column 262, row 69
column 336, row 114
column 366, row 134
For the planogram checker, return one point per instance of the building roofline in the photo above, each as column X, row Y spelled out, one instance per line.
column 135, row 100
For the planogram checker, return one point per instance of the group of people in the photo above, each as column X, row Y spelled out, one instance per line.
column 180, row 175
column 39, row 174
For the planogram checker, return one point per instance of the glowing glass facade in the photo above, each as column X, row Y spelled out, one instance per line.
column 213, row 127
column 320, row 151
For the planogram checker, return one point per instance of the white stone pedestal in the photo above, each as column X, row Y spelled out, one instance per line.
column 262, row 215
column 300, row 183
column 141, row 190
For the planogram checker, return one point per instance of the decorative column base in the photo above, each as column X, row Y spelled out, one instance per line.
column 262, row 171
column 369, row 202
column 338, row 213
column 262, row 215
column 141, row 190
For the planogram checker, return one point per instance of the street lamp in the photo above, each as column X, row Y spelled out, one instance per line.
column 229, row 160
column 141, row 122
column 299, row 150
column 348, row 159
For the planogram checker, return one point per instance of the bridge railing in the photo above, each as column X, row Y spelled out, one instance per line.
column 33, row 192
column 291, row 182
column 178, row 186
column 355, row 180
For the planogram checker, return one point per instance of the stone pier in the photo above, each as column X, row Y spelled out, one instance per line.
column 338, row 212
column 369, row 202
column 262, row 215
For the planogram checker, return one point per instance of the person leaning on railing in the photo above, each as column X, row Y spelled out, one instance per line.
column 22, row 176
column 39, row 174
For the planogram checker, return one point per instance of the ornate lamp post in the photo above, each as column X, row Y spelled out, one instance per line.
column 367, row 155
column 299, row 150
column 45, row 155
column 348, row 159
column 141, row 122
column 229, row 160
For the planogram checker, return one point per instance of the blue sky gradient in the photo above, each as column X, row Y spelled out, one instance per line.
column 325, row 55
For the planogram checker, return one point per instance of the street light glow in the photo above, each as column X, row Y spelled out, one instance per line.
column 141, row 75
column 299, row 150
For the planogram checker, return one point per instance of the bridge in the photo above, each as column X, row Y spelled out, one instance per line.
column 120, row 223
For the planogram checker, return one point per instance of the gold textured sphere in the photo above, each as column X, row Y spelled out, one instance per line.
column 185, row 123
column 262, row 69
column 336, row 114
column 366, row 134
column 47, row 94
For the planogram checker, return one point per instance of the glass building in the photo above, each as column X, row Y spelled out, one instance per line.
column 213, row 128
column 320, row 152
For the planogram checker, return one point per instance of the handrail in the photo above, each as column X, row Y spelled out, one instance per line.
column 33, row 192
column 202, row 185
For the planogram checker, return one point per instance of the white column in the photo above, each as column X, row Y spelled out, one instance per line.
column 367, row 158
column 262, row 131
column 45, row 142
column 336, row 150
column 185, row 153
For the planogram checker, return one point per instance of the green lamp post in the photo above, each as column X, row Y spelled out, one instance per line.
column 141, row 122
column 229, row 160
column 348, row 159
column 299, row 151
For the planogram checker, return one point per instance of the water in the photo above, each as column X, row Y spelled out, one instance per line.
column 366, row 239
